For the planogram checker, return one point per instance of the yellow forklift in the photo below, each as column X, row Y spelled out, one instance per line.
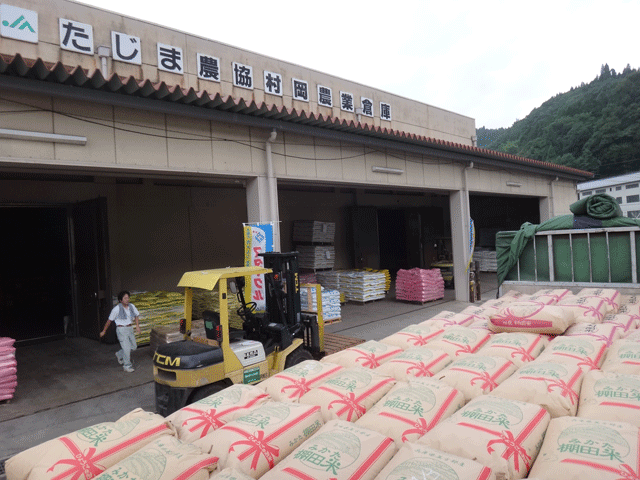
column 187, row 371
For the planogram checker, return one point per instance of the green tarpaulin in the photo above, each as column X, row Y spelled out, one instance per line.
column 602, row 212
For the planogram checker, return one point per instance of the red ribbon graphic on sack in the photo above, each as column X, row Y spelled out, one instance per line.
column 210, row 419
column 513, row 445
column 489, row 381
column 422, row 368
column 300, row 386
column 420, row 340
column 371, row 360
column 566, row 388
column 525, row 355
column 87, row 464
column 592, row 363
column 351, row 402
column 258, row 443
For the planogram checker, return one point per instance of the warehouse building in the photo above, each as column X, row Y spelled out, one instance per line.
column 131, row 153
column 624, row 188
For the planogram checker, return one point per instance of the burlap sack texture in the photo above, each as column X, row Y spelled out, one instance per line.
column 476, row 375
column 166, row 458
column 294, row 382
column 517, row 347
column 581, row 448
column 418, row 362
column 410, row 410
column 255, row 443
column 610, row 396
column 340, row 450
column 87, row 452
column 504, row 435
column 418, row 462
column 198, row 419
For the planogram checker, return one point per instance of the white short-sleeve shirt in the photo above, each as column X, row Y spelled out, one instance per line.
column 131, row 311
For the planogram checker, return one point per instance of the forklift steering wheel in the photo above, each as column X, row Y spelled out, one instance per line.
column 248, row 308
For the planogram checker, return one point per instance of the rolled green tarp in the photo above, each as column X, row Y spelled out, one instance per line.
column 600, row 205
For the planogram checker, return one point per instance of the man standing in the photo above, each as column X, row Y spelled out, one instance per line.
column 124, row 314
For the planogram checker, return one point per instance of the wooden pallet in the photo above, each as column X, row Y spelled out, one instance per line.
column 333, row 320
column 418, row 302
column 334, row 343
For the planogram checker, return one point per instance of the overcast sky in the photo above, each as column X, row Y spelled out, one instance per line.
column 491, row 60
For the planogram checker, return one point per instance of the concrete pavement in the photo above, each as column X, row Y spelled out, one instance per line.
column 129, row 391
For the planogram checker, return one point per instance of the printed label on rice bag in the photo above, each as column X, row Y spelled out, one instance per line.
column 228, row 396
column 630, row 352
column 421, row 354
column 414, row 400
column 623, row 387
column 460, row 335
column 551, row 370
column 305, row 369
column 594, row 441
column 330, row 451
column 475, row 362
column 572, row 345
column 510, row 339
column 107, row 432
column 371, row 347
column 266, row 415
column 493, row 411
column 422, row 468
column 351, row 379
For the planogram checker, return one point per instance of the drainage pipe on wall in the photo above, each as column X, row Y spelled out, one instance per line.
column 273, row 191
column 467, row 215
column 552, row 199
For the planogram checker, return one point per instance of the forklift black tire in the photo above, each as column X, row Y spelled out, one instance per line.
column 203, row 392
column 299, row 355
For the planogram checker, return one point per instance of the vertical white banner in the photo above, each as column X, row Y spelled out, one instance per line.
column 258, row 238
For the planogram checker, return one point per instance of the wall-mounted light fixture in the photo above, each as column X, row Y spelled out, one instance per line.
column 42, row 137
column 514, row 184
column 392, row 171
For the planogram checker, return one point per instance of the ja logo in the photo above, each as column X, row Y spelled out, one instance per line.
column 19, row 23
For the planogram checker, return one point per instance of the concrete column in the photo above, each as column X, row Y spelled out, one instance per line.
column 259, row 208
column 545, row 209
column 459, row 243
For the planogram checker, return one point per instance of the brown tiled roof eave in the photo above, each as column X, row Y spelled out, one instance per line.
column 38, row 69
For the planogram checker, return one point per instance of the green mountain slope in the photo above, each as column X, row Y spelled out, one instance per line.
column 594, row 127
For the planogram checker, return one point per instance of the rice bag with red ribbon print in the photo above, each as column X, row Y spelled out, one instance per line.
column 633, row 335
column 411, row 409
column 610, row 396
column 629, row 304
column 581, row 448
column 166, row 458
column 460, row 341
column 418, row 462
column 606, row 332
column 413, row 336
column 505, row 435
column 86, row 453
column 254, row 443
column 531, row 317
column 553, row 386
column 497, row 303
column 518, row 347
column 586, row 352
column 611, row 296
column 349, row 394
column 290, row 384
column 549, row 296
column 340, row 450
column 626, row 322
column 482, row 326
column 369, row 354
column 447, row 320
column 230, row 474
column 623, row 356
column 197, row 419
column 415, row 363
column 513, row 295
column 476, row 375
column 478, row 313
column 585, row 309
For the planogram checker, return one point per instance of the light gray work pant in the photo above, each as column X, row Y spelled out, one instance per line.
column 127, row 340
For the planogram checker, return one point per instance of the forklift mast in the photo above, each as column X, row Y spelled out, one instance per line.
column 282, row 292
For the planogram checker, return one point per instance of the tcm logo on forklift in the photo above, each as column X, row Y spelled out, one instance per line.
column 165, row 360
